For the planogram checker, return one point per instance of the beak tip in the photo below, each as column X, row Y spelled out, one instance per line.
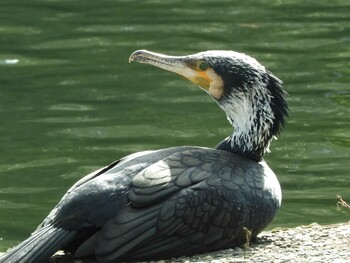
column 136, row 56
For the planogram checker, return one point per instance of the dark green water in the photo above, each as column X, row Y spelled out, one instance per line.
column 70, row 102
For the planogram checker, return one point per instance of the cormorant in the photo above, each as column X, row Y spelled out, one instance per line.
column 180, row 200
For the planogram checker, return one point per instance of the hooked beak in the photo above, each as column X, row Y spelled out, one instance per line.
column 188, row 67
column 181, row 65
column 169, row 63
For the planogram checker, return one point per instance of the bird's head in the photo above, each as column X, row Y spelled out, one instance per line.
column 251, row 96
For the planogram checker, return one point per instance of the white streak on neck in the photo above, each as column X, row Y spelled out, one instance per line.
column 251, row 117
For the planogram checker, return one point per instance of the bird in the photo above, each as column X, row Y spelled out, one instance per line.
column 182, row 200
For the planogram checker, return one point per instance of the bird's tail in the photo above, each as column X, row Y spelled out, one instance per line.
column 42, row 244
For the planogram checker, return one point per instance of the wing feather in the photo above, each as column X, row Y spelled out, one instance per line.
column 192, row 200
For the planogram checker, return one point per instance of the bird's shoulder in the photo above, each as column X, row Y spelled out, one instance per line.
column 188, row 167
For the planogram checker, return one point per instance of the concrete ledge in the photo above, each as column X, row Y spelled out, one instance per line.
column 312, row 243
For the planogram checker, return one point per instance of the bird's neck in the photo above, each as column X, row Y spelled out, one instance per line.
column 252, row 121
column 248, row 147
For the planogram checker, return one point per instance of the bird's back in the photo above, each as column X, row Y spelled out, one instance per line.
column 171, row 202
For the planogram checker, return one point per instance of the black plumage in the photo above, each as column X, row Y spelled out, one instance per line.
column 181, row 200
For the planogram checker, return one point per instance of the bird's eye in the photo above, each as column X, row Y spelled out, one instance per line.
column 203, row 66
